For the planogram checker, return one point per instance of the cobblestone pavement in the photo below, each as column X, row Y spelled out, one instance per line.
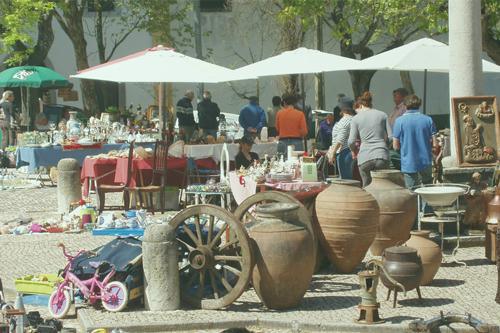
column 332, row 299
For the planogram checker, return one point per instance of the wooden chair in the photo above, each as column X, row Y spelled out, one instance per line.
column 102, row 189
column 159, row 179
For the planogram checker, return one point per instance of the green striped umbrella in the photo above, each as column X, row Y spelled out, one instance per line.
column 32, row 77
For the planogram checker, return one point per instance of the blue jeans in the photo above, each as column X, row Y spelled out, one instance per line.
column 212, row 132
column 284, row 143
column 417, row 178
column 345, row 163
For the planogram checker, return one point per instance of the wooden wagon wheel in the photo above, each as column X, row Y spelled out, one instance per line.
column 244, row 212
column 213, row 272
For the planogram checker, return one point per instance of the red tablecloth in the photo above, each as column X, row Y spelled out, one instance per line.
column 114, row 171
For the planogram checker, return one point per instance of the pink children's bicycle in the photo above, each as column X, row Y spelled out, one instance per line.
column 114, row 295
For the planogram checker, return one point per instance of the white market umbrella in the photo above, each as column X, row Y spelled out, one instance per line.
column 298, row 61
column 154, row 65
column 157, row 65
column 421, row 55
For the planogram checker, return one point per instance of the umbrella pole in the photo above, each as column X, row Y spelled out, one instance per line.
column 302, row 84
column 424, row 107
column 28, row 106
column 160, row 109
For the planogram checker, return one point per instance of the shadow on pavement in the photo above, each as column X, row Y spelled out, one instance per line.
column 399, row 319
column 445, row 283
column 314, row 303
column 331, row 286
column 425, row 302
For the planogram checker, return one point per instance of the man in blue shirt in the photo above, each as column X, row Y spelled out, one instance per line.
column 252, row 117
column 413, row 134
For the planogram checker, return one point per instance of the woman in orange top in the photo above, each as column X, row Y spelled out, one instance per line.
column 291, row 125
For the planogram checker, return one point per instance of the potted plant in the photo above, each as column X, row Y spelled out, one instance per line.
column 113, row 112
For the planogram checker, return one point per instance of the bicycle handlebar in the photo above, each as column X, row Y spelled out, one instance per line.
column 70, row 257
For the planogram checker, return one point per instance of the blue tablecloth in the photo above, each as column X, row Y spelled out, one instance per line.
column 35, row 157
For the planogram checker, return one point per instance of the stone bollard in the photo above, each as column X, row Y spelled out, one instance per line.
column 161, row 269
column 69, row 188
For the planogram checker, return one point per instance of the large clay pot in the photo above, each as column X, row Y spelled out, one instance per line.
column 429, row 252
column 492, row 220
column 284, row 256
column 494, row 208
column 403, row 264
column 398, row 209
column 497, row 299
column 348, row 217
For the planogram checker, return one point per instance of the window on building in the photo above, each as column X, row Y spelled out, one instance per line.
column 215, row 5
column 106, row 5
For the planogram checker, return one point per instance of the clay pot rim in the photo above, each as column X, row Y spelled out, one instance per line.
column 276, row 207
column 348, row 182
column 384, row 173
column 421, row 233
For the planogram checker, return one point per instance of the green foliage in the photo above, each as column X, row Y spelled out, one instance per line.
column 492, row 11
column 166, row 20
column 112, row 109
column 358, row 24
column 18, row 21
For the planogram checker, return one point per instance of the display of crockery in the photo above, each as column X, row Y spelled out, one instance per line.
column 85, row 142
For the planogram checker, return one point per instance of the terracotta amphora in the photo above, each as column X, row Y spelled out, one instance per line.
column 398, row 209
column 348, row 217
column 403, row 264
column 429, row 252
column 284, row 256
column 490, row 243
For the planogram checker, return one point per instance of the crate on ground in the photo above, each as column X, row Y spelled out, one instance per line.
column 37, row 284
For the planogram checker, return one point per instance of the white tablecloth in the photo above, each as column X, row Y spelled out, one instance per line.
column 214, row 150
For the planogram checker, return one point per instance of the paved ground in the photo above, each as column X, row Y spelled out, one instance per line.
column 330, row 302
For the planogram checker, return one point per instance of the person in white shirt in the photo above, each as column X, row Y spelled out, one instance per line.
column 340, row 136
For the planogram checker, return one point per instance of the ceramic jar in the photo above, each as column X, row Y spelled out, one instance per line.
column 403, row 264
column 494, row 208
column 348, row 218
column 497, row 299
column 398, row 209
column 73, row 126
column 491, row 244
column 284, row 255
column 429, row 252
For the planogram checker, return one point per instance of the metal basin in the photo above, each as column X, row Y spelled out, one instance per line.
column 439, row 196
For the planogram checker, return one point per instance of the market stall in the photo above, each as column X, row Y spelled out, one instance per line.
column 114, row 171
column 50, row 155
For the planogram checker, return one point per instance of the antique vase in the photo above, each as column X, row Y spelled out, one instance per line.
column 284, row 255
column 73, row 126
column 429, row 252
column 348, row 217
column 398, row 209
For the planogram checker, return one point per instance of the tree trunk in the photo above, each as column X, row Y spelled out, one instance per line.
column 45, row 39
column 72, row 24
column 360, row 81
column 319, row 80
column 291, row 36
column 406, row 81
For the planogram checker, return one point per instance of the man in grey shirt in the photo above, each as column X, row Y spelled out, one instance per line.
column 370, row 127
column 8, row 117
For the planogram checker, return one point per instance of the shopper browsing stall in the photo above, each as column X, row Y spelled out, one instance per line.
column 184, row 112
column 414, row 136
column 208, row 114
column 291, row 125
column 340, row 134
column 252, row 117
column 371, row 127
